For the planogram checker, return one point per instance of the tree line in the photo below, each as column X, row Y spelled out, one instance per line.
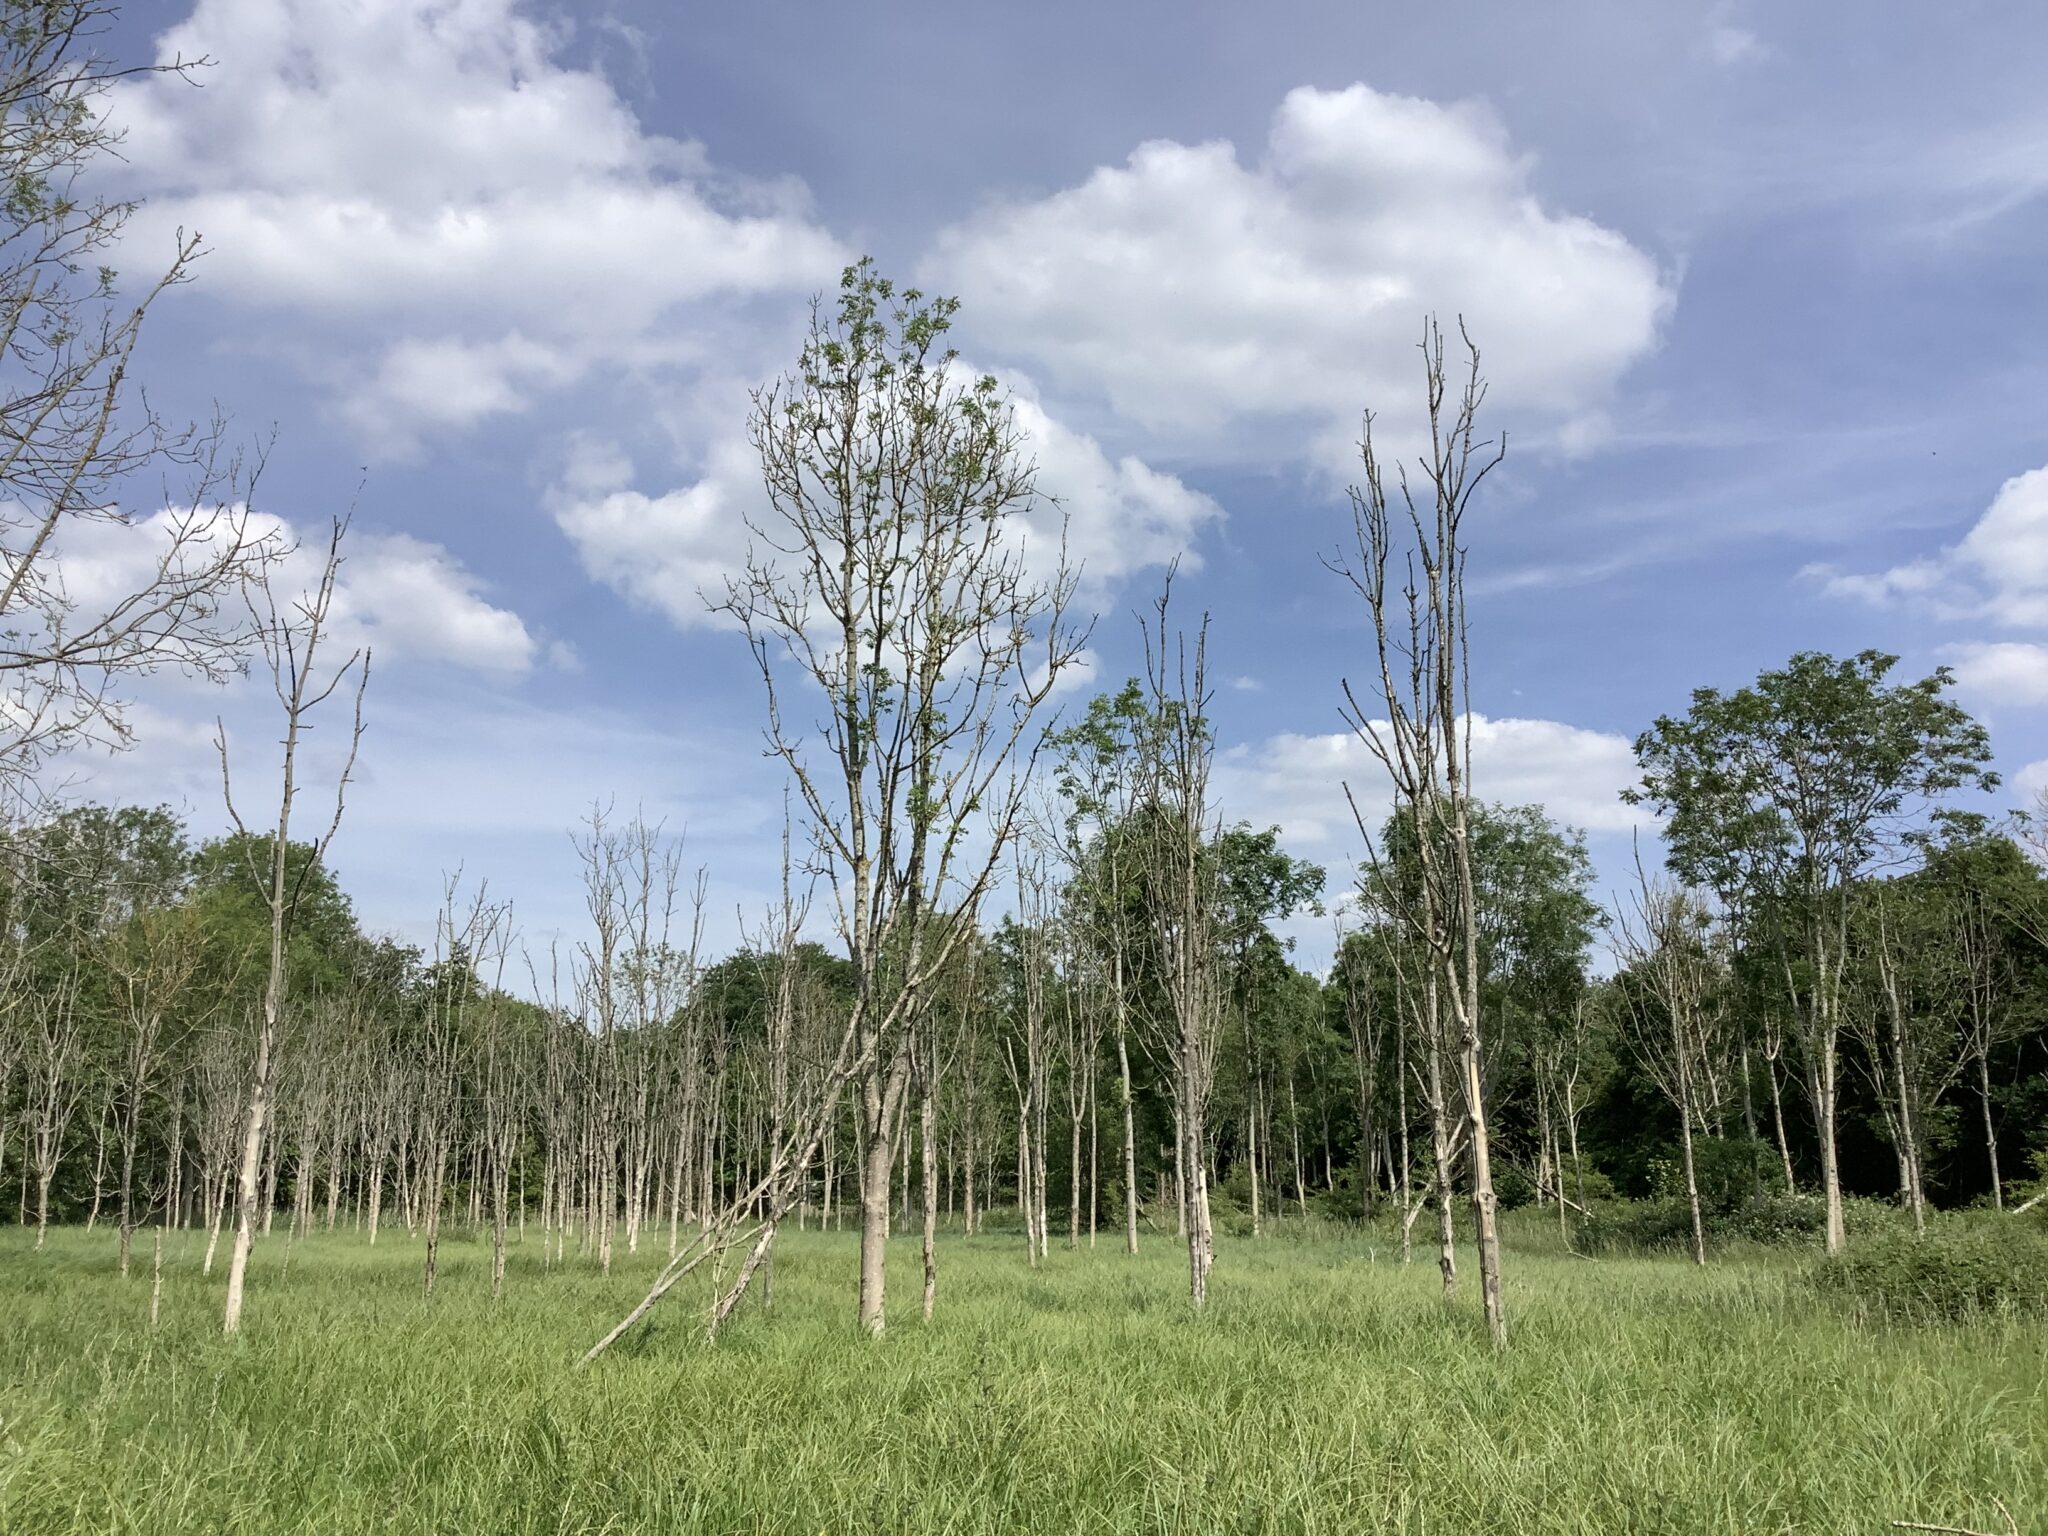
column 626, row 1094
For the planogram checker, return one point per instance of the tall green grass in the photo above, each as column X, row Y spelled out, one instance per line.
column 1325, row 1390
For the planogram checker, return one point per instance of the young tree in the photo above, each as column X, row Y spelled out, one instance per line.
column 1781, row 796
column 151, row 962
column 1100, row 774
column 290, row 633
column 1183, row 905
column 1671, row 1011
column 892, row 574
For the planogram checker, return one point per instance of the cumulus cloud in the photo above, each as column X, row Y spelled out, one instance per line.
column 1206, row 297
column 1296, row 782
column 671, row 550
column 407, row 598
column 433, row 166
column 1997, row 571
column 2001, row 671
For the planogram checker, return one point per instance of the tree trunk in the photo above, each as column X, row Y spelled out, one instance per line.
column 1123, row 1062
column 1990, row 1130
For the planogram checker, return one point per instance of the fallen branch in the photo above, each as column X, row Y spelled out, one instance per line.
column 2012, row 1526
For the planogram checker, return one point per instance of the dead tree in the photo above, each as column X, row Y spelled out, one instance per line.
column 1415, row 718
column 290, row 634
column 73, row 433
column 1182, row 907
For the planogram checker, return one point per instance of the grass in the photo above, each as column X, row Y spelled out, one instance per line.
column 1326, row 1390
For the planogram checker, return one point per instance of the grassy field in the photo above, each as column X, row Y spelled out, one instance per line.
column 1326, row 1390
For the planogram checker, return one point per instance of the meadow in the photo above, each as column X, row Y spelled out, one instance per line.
column 1326, row 1390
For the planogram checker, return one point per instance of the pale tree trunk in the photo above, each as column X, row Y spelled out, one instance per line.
column 1123, row 1063
column 291, row 645
column 1990, row 1130
column 927, row 1122
column 1778, row 1120
column 874, row 1227
column 1692, row 1183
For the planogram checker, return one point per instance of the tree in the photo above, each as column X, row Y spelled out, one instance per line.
column 70, row 438
column 1417, row 725
column 1671, row 1011
column 892, row 571
column 1257, row 882
column 1780, row 796
column 1100, row 773
column 1993, row 905
column 1183, row 903
column 290, row 634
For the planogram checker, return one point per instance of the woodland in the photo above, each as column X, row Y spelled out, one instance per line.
column 1013, row 1172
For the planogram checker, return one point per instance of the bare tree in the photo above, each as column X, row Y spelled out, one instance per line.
column 57, row 1081
column 891, row 573
column 1183, row 902
column 1418, row 725
column 290, row 634
column 71, row 437
column 151, row 963
column 1671, row 1010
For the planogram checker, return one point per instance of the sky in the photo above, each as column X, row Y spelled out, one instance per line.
column 1760, row 299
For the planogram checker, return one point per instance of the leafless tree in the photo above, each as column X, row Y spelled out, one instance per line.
column 1415, row 719
column 151, row 962
column 290, row 633
column 73, row 433
column 57, row 1082
column 1182, row 902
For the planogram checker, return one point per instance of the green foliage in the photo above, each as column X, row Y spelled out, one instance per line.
column 1960, row 1267
column 1791, row 785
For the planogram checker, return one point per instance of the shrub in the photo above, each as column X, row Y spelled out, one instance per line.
column 1512, row 1187
column 1959, row 1267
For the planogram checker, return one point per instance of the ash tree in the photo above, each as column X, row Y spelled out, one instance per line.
column 75, row 434
column 1414, row 716
column 907, row 638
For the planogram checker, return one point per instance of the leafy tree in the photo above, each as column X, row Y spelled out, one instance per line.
column 1781, row 795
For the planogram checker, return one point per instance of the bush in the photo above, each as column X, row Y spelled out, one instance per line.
column 1960, row 1267
column 1776, row 1218
column 1512, row 1188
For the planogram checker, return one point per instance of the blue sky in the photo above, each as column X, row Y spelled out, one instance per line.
column 1760, row 292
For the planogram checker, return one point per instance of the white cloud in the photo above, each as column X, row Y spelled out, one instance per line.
column 1114, row 516
column 2002, row 671
column 409, row 599
column 1296, row 782
column 1997, row 571
column 1206, row 298
column 670, row 552
column 431, row 167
